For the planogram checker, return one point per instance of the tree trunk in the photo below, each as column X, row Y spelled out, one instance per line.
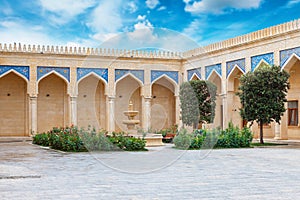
column 195, row 126
column 261, row 126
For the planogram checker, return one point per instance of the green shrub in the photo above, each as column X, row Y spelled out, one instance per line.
column 127, row 143
column 41, row 139
column 182, row 140
column 232, row 137
column 96, row 141
column 73, row 140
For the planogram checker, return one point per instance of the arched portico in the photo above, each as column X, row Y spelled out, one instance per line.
column 91, row 102
column 13, row 105
column 290, row 121
column 52, row 102
column 128, row 88
column 233, row 101
column 216, row 79
column 163, row 111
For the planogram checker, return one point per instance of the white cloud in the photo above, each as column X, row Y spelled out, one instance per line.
column 141, row 17
column 162, row 8
column 131, row 7
column 292, row 3
column 65, row 10
column 17, row 31
column 219, row 7
column 194, row 29
column 106, row 19
column 152, row 3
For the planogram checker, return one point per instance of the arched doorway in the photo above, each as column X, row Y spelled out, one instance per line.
column 128, row 89
column 163, row 104
column 291, row 116
column 91, row 103
column 13, row 105
column 234, row 103
column 216, row 79
column 52, row 103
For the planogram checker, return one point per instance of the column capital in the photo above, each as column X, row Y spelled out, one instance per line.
column 73, row 98
column 111, row 98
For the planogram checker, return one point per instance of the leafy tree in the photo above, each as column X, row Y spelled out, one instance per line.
column 263, row 93
column 198, row 102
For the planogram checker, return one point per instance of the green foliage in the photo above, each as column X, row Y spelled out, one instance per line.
column 41, row 139
column 232, row 137
column 71, row 139
column 127, row 143
column 263, row 94
column 182, row 140
column 198, row 104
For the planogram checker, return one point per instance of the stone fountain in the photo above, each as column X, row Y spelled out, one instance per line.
column 131, row 122
column 151, row 139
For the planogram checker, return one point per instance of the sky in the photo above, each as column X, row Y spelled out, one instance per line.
column 176, row 25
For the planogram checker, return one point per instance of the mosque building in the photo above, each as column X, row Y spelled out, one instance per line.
column 47, row 86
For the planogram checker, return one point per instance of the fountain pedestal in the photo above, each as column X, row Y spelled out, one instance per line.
column 151, row 139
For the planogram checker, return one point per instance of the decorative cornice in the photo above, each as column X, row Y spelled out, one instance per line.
column 245, row 39
column 67, row 50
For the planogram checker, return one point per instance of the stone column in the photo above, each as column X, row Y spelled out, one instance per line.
column 224, row 106
column 146, row 113
column 277, row 131
column 111, row 113
column 73, row 110
column 33, row 107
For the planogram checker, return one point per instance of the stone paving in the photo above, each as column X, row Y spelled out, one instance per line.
column 31, row 172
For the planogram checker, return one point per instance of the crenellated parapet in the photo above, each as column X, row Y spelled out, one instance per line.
column 247, row 38
column 68, row 50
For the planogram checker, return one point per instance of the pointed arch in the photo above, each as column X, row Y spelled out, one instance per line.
column 234, row 68
column 15, row 72
column 213, row 74
column 175, row 90
column 14, row 105
column 261, row 63
column 52, row 102
column 128, row 88
column 91, row 101
column 290, row 62
column 235, row 73
column 96, row 76
column 195, row 77
column 216, row 79
column 163, row 108
column 50, row 73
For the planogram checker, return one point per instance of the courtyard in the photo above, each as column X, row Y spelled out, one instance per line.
column 31, row 172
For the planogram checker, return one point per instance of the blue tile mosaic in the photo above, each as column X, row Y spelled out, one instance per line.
column 23, row 70
column 82, row 72
column 287, row 53
column 171, row 74
column 42, row 71
column 191, row 72
column 209, row 69
column 230, row 65
column 139, row 74
column 255, row 60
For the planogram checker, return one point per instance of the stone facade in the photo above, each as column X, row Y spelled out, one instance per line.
column 46, row 86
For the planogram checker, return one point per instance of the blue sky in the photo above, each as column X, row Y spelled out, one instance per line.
column 171, row 25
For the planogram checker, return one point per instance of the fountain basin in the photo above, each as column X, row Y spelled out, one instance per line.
column 130, row 114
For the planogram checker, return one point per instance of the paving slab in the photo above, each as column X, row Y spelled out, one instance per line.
column 30, row 172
